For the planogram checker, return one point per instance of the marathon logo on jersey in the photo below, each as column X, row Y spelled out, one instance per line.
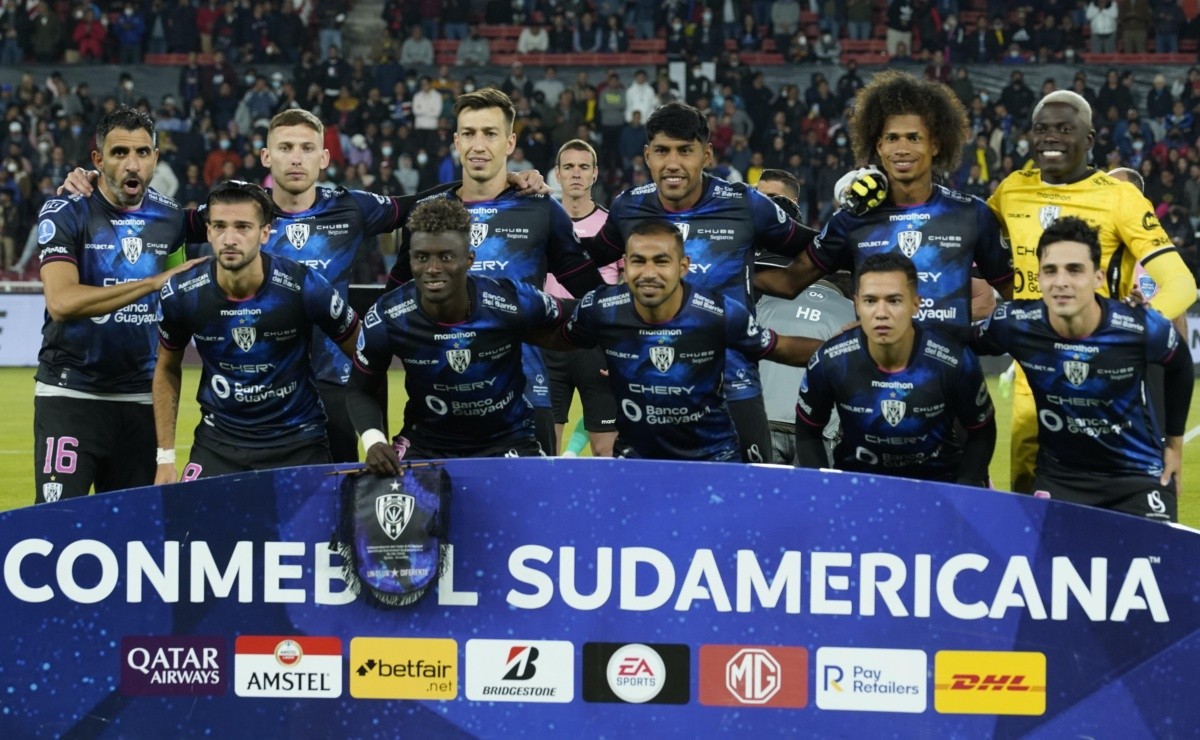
column 662, row 357
column 535, row 671
column 1075, row 371
column 243, row 337
column 684, row 228
column 893, row 411
column 744, row 676
column 297, row 234
column 987, row 682
column 132, row 247
column 393, row 511
column 52, row 491
column 636, row 673
column 287, row 667
column 479, row 232
column 1048, row 215
column 459, row 359
column 46, row 231
column 174, row 666
column 909, row 242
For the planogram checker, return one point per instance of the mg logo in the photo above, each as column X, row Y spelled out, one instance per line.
column 753, row 676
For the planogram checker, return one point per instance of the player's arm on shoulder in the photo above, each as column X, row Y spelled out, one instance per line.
column 607, row 246
column 165, row 390
column 67, row 298
column 787, row 282
column 790, row 350
column 529, row 182
column 1176, row 284
column 977, row 414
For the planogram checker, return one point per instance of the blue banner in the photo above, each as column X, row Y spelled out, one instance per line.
column 595, row 597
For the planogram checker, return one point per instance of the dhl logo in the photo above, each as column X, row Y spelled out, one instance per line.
column 982, row 682
column 989, row 682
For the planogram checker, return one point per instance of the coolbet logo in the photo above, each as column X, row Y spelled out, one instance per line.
column 403, row 668
column 288, row 667
column 758, row 676
column 636, row 673
column 174, row 666
column 871, row 680
column 507, row 670
column 979, row 682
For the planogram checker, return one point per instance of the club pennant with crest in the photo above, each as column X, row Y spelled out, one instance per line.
column 393, row 511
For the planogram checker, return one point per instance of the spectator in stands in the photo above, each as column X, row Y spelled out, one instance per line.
column 331, row 14
column 454, row 14
column 533, row 39
column 929, row 35
column 785, row 22
column 286, row 31
column 218, row 157
column 827, row 50
column 416, row 50
column 562, row 36
column 1102, row 18
column 858, row 19
column 676, row 41
column 1016, row 96
column 1168, row 20
column 588, row 37
column 517, row 81
column 473, row 51
column 1159, row 100
column 707, row 39
column 1135, row 24
column 982, row 46
column 11, row 19
column 1113, row 93
column 800, row 50
column 901, row 58
column 550, row 86
column 642, row 16
column 1072, row 42
column 89, row 36
column 632, row 140
column 1181, row 119
column 1048, row 40
column 899, row 26
column 937, row 69
column 46, row 36
column 748, row 38
column 640, row 97
column 615, row 39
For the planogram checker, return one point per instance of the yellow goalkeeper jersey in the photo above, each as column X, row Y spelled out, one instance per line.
column 1125, row 219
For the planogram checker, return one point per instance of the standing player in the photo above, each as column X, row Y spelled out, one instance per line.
column 1064, row 184
column 665, row 342
column 722, row 224
column 251, row 316
column 581, row 370
column 102, row 266
column 820, row 312
column 911, row 128
column 321, row 228
column 459, row 338
column 899, row 388
column 513, row 237
column 1085, row 357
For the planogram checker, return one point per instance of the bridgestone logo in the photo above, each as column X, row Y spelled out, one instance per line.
column 519, row 691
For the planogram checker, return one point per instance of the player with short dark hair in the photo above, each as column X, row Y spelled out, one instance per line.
column 665, row 342
column 722, row 224
column 102, row 260
column 912, row 128
column 512, row 237
column 459, row 338
column 251, row 317
column 899, row 388
column 1085, row 356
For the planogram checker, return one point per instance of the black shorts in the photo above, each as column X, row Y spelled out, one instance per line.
column 211, row 458
column 754, row 435
column 343, row 440
column 579, row 370
column 525, row 447
column 1138, row 495
column 625, row 451
column 80, row 443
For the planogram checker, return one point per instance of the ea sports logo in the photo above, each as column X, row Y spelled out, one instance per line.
column 636, row 673
column 753, row 676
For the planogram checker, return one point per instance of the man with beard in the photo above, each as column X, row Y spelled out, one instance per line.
column 102, row 260
column 251, row 316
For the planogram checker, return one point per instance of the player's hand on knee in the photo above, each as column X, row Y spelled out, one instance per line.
column 529, row 182
column 79, row 182
column 382, row 459
column 861, row 190
column 166, row 474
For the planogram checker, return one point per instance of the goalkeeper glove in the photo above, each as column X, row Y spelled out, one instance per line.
column 861, row 190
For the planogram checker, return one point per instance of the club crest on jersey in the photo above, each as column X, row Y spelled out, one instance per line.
column 662, row 357
column 893, row 411
column 52, row 491
column 243, row 337
column 132, row 247
column 909, row 242
column 1075, row 371
column 1048, row 215
column 297, row 234
column 478, row 234
column 393, row 511
column 459, row 359
column 684, row 228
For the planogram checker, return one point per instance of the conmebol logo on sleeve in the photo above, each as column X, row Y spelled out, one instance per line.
column 288, row 667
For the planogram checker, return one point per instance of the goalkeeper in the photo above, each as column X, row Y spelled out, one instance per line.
column 911, row 128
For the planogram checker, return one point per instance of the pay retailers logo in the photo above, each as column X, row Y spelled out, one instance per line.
column 872, row 680
column 507, row 670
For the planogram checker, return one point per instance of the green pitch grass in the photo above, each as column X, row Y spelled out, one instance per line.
column 16, row 437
